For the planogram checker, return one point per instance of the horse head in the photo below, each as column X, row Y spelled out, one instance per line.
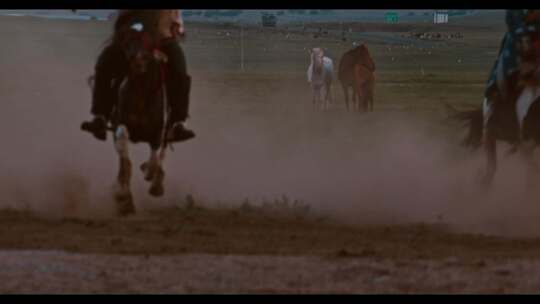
column 141, row 51
column 317, row 57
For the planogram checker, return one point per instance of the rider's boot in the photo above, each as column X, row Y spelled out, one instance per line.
column 178, row 133
column 98, row 127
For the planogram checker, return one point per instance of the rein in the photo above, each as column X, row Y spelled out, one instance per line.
column 150, row 48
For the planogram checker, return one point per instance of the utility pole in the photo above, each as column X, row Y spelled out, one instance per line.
column 241, row 47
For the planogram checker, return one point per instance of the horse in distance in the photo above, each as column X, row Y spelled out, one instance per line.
column 356, row 71
column 320, row 75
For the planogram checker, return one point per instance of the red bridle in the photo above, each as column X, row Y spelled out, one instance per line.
column 150, row 48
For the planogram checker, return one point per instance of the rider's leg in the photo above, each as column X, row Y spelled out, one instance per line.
column 178, row 84
column 109, row 71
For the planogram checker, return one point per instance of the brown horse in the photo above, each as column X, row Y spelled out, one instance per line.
column 356, row 70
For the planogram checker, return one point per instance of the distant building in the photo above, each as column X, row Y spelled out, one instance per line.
column 391, row 17
column 440, row 16
column 269, row 20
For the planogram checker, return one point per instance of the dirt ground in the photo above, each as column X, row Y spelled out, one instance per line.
column 250, row 251
column 273, row 196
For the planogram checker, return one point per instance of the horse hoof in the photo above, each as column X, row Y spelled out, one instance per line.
column 124, row 204
column 145, row 168
column 157, row 190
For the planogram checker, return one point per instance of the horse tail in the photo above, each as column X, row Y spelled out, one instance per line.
column 91, row 80
column 475, row 121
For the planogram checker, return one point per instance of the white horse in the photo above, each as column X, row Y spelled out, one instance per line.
column 320, row 75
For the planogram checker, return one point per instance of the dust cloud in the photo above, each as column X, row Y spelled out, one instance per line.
column 380, row 168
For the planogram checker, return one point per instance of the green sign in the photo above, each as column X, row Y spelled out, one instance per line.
column 391, row 17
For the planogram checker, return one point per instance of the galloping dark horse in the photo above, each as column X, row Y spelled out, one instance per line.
column 140, row 115
column 356, row 70
column 511, row 108
column 517, row 121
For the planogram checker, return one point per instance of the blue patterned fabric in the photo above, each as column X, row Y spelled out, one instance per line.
column 511, row 51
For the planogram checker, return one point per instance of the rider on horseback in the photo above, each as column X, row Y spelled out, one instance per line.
column 111, row 69
column 517, row 60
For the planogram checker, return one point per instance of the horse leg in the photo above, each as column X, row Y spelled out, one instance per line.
column 355, row 100
column 346, row 93
column 359, row 105
column 323, row 98
column 318, row 103
column 315, row 97
column 123, row 197
column 362, row 99
column 490, row 146
column 156, row 188
column 365, row 102
column 329, row 95
column 153, row 172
